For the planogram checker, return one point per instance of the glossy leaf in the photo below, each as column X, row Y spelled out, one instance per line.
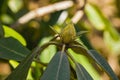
column 103, row 63
column 9, row 32
column 58, row 68
column 1, row 31
column 82, row 74
column 10, row 48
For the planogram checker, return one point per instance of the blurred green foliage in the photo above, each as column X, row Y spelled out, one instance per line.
column 37, row 31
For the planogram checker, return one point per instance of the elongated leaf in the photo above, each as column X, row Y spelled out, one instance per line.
column 103, row 63
column 99, row 21
column 10, row 48
column 58, row 68
column 1, row 31
column 112, row 44
column 95, row 16
column 20, row 73
column 9, row 32
column 82, row 74
column 83, row 60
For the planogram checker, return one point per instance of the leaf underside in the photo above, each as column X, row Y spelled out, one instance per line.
column 82, row 74
column 103, row 63
column 58, row 68
column 20, row 73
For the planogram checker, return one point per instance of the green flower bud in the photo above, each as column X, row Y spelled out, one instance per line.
column 68, row 34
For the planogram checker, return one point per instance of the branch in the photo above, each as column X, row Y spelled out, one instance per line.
column 78, row 15
column 80, row 12
column 43, row 11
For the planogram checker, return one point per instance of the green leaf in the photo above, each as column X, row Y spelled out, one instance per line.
column 13, row 63
column 12, row 5
column 58, row 68
column 95, row 16
column 1, row 31
column 6, row 18
column 99, row 21
column 48, row 52
column 9, row 32
column 84, row 60
column 113, row 45
column 20, row 73
column 103, row 63
column 82, row 74
column 10, row 48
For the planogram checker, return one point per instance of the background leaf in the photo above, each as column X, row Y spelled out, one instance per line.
column 12, row 5
column 10, row 48
column 82, row 74
column 103, row 63
column 113, row 45
column 1, row 31
column 9, row 32
column 58, row 68
column 95, row 16
column 99, row 21
column 48, row 52
column 6, row 18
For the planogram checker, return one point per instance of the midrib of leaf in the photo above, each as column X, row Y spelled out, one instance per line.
column 21, row 71
column 103, row 63
column 61, row 56
column 12, row 51
column 28, row 59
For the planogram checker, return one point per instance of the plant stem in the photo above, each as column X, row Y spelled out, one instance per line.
column 63, row 48
column 38, row 48
column 43, row 11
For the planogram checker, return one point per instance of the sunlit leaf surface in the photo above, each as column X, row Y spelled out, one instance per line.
column 48, row 52
column 9, row 32
column 86, row 64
